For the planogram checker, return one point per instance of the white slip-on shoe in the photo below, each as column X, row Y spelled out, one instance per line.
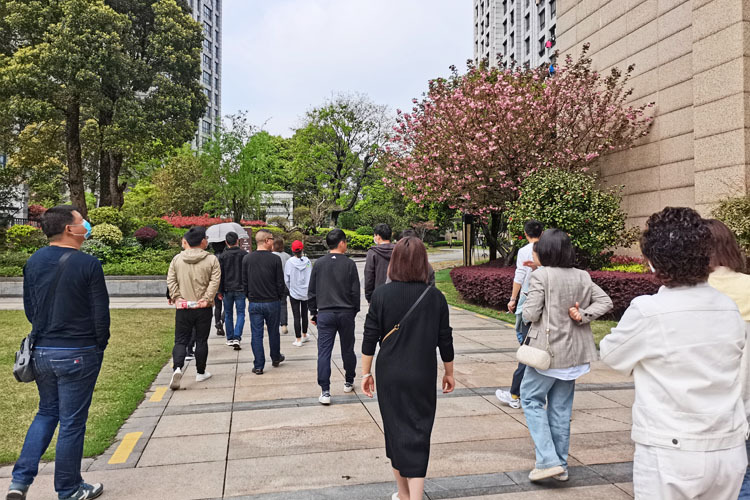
column 174, row 384
column 297, row 343
column 348, row 387
column 539, row 474
column 562, row 477
column 202, row 377
column 325, row 398
column 507, row 398
column 305, row 339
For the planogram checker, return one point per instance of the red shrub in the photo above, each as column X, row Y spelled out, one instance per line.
column 492, row 285
column 145, row 235
column 622, row 260
column 253, row 223
column 36, row 212
column 178, row 220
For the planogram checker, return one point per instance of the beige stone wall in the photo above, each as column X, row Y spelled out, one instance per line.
column 692, row 57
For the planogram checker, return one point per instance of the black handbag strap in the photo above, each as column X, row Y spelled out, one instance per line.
column 49, row 300
column 411, row 309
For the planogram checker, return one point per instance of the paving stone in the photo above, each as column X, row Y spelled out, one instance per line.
column 259, row 420
column 602, row 447
column 193, row 425
column 477, row 428
column 184, row 450
column 201, row 396
column 610, row 492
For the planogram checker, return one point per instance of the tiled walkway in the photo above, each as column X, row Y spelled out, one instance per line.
column 240, row 435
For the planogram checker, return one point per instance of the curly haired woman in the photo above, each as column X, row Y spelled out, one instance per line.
column 684, row 348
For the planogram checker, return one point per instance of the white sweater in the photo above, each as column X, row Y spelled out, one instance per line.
column 684, row 348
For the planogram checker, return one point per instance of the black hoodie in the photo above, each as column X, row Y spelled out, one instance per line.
column 376, row 267
column 231, row 269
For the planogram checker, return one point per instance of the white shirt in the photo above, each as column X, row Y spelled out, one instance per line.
column 523, row 273
column 571, row 373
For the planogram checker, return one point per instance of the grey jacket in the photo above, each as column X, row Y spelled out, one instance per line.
column 552, row 292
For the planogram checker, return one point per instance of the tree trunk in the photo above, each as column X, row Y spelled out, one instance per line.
column 115, row 188
column 105, row 192
column 73, row 151
column 494, row 230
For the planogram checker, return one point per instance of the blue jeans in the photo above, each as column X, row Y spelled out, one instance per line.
column 232, row 300
column 745, row 491
column 267, row 312
column 65, row 379
column 328, row 324
column 549, row 427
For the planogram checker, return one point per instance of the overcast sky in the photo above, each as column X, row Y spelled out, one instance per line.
column 282, row 57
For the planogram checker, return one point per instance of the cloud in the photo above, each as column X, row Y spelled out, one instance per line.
column 281, row 57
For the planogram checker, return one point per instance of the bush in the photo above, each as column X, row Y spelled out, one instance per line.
column 143, row 268
column 108, row 234
column 365, row 231
column 146, row 235
column 735, row 213
column 106, row 215
column 25, row 238
column 444, row 243
column 98, row 249
column 348, row 220
column 36, row 212
column 11, row 271
column 205, row 220
column 280, row 222
column 491, row 285
column 624, row 260
column 573, row 202
column 626, row 268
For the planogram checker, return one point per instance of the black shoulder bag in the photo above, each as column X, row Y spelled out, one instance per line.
column 23, row 368
column 414, row 306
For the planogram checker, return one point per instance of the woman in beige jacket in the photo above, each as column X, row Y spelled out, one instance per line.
column 683, row 347
column 560, row 306
column 727, row 276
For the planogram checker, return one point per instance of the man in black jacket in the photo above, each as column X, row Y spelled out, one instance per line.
column 67, row 303
column 378, row 259
column 231, row 291
column 333, row 299
column 263, row 283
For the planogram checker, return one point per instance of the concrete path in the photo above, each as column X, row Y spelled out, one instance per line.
column 240, row 435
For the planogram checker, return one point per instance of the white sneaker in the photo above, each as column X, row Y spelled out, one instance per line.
column 539, row 474
column 562, row 477
column 230, row 343
column 395, row 496
column 348, row 387
column 325, row 398
column 305, row 339
column 297, row 343
column 202, row 377
column 507, row 398
column 174, row 384
column 284, row 330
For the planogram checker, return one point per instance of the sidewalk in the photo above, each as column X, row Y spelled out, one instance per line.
column 241, row 435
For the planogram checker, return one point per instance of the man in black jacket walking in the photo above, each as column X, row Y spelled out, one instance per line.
column 231, row 291
column 333, row 299
column 65, row 298
column 263, row 283
column 378, row 258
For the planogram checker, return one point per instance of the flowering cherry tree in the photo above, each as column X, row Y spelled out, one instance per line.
column 474, row 138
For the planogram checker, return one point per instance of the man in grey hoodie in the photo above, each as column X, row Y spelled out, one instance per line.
column 378, row 259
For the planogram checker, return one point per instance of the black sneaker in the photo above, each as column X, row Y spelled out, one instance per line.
column 220, row 330
column 17, row 492
column 258, row 371
column 279, row 361
column 87, row 491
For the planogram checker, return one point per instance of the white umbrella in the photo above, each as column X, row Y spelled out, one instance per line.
column 218, row 232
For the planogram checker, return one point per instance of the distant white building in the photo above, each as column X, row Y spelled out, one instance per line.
column 521, row 30
column 279, row 204
column 209, row 14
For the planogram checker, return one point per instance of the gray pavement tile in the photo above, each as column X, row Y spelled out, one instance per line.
column 201, row 396
column 627, row 488
column 305, row 439
column 184, row 450
column 480, row 484
column 477, row 428
column 602, row 447
column 300, row 418
column 198, row 408
column 599, row 492
column 193, row 424
column 621, row 472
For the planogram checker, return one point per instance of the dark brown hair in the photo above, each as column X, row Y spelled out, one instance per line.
column 409, row 261
column 677, row 242
column 278, row 244
column 724, row 248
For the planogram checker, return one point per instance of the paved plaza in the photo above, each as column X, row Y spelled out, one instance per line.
column 240, row 435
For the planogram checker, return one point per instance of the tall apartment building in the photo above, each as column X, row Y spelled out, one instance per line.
column 209, row 14
column 692, row 58
column 521, row 30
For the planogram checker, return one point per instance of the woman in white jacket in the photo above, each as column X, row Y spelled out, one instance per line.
column 684, row 348
column 297, row 272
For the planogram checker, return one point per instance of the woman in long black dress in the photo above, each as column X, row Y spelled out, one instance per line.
column 407, row 365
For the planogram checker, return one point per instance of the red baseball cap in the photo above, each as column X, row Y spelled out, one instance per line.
column 297, row 246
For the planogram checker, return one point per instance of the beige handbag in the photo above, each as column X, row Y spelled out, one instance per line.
column 541, row 359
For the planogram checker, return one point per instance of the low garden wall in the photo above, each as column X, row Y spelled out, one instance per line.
column 491, row 285
column 118, row 286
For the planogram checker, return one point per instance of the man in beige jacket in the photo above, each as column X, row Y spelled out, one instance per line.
column 193, row 280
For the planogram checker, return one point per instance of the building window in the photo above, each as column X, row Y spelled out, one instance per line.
column 527, row 22
column 527, row 46
column 541, row 19
column 207, row 11
column 512, row 40
column 488, row 20
column 505, row 48
column 552, row 8
column 217, row 20
column 207, row 78
column 207, row 60
column 217, row 83
column 512, row 19
column 216, row 99
column 207, row 29
column 207, row 46
column 487, row 41
column 217, row 50
column 541, row 46
column 218, row 4
column 216, row 68
column 528, row 3
column 505, row 7
column 206, row 127
column 552, row 35
column 208, row 93
column 208, row 112
column 505, row 28
column 218, row 36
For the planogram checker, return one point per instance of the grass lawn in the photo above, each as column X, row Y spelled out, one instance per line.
column 444, row 284
column 140, row 345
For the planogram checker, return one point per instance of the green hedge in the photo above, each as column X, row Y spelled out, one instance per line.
column 355, row 241
column 443, row 243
